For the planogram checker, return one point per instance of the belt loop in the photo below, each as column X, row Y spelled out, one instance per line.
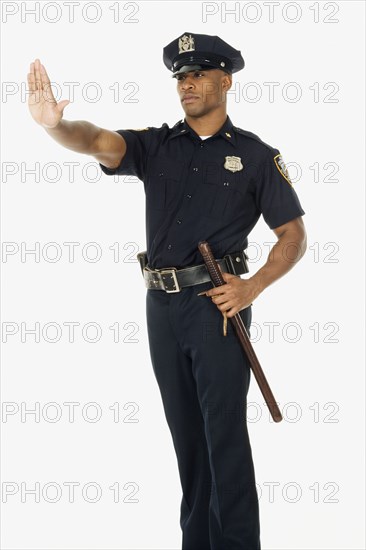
column 142, row 258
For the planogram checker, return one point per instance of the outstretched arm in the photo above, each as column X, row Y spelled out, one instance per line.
column 106, row 146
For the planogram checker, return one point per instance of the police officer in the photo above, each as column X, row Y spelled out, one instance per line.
column 205, row 179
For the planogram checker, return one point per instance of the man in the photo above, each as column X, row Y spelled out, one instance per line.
column 204, row 179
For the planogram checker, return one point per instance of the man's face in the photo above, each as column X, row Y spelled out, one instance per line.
column 202, row 91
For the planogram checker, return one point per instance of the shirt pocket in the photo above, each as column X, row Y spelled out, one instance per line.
column 224, row 191
column 163, row 183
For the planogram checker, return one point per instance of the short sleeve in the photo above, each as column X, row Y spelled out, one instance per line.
column 134, row 161
column 275, row 196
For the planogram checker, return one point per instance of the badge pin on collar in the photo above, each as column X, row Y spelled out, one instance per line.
column 233, row 164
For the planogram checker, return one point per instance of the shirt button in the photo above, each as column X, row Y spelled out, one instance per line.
column 169, row 246
column 189, row 196
column 202, row 144
column 179, row 221
column 195, row 169
column 161, row 174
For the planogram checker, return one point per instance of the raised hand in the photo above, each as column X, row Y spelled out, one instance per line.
column 42, row 105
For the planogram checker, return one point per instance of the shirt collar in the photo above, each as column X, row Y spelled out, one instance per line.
column 226, row 131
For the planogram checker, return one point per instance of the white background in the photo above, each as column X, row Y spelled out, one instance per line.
column 314, row 459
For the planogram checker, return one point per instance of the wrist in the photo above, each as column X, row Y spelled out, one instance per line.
column 257, row 284
column 57, row 126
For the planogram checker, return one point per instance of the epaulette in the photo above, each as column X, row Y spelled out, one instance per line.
column 252, row 136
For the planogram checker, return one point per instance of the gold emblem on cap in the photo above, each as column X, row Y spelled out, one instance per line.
column 233, row 164
column 186, row 43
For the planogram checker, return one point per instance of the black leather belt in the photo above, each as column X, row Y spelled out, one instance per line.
column 171, row 279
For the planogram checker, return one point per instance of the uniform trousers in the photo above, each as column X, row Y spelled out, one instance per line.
column 203, row 377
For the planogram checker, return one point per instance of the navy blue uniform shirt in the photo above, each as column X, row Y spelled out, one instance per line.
column 195, row 189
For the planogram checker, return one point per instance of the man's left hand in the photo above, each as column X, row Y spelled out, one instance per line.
column 235, row 295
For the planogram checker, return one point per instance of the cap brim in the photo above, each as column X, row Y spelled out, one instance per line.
column 193, row 67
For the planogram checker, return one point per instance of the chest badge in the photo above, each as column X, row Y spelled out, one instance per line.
column 233, row 164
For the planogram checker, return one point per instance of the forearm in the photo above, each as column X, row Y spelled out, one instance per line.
column 287, row 251
column 78, row 135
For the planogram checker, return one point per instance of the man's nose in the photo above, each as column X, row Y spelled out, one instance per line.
column 187, row 83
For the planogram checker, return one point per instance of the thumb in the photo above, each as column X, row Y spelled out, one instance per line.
column 223, row 273
column 227, row 276
column 61, row 106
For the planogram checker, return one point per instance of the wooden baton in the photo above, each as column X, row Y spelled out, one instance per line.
column 218, row 280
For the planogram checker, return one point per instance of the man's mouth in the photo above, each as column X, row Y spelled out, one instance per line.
column 189, row 98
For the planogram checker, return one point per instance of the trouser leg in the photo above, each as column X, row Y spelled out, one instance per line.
column 173, row 372
column 203, row 378
column 222, row 375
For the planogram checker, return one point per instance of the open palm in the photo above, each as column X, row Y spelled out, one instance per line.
column 42, row 105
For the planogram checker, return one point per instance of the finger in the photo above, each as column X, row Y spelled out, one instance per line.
column 231, row 313
column 224, row 307
column 37, row 74
column 44, row 76
column 31, row 82
column 46, row 85
column 214, row 291
column 31, row 78
column 219, row 299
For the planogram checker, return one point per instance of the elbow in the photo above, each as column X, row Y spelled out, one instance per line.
column 303, row 244
column 300, row 242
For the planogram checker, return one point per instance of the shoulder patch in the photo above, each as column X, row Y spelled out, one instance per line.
column 281, row 167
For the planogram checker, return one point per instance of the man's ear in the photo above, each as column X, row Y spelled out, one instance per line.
column 227, row 82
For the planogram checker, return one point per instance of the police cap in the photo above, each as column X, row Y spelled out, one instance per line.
column 201, row 51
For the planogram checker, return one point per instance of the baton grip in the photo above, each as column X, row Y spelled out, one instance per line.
column 237, row 322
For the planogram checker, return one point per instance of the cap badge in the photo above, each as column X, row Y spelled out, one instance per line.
column 186, row 43
column 233, row 164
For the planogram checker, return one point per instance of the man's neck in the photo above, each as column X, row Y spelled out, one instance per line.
column 207, row 125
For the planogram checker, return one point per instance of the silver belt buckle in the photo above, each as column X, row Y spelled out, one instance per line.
column 170, row 275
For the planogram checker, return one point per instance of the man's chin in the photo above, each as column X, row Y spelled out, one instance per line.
column 194, row 111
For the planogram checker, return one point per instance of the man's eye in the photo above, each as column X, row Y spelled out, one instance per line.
column 198, row 74
column 179, row 77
